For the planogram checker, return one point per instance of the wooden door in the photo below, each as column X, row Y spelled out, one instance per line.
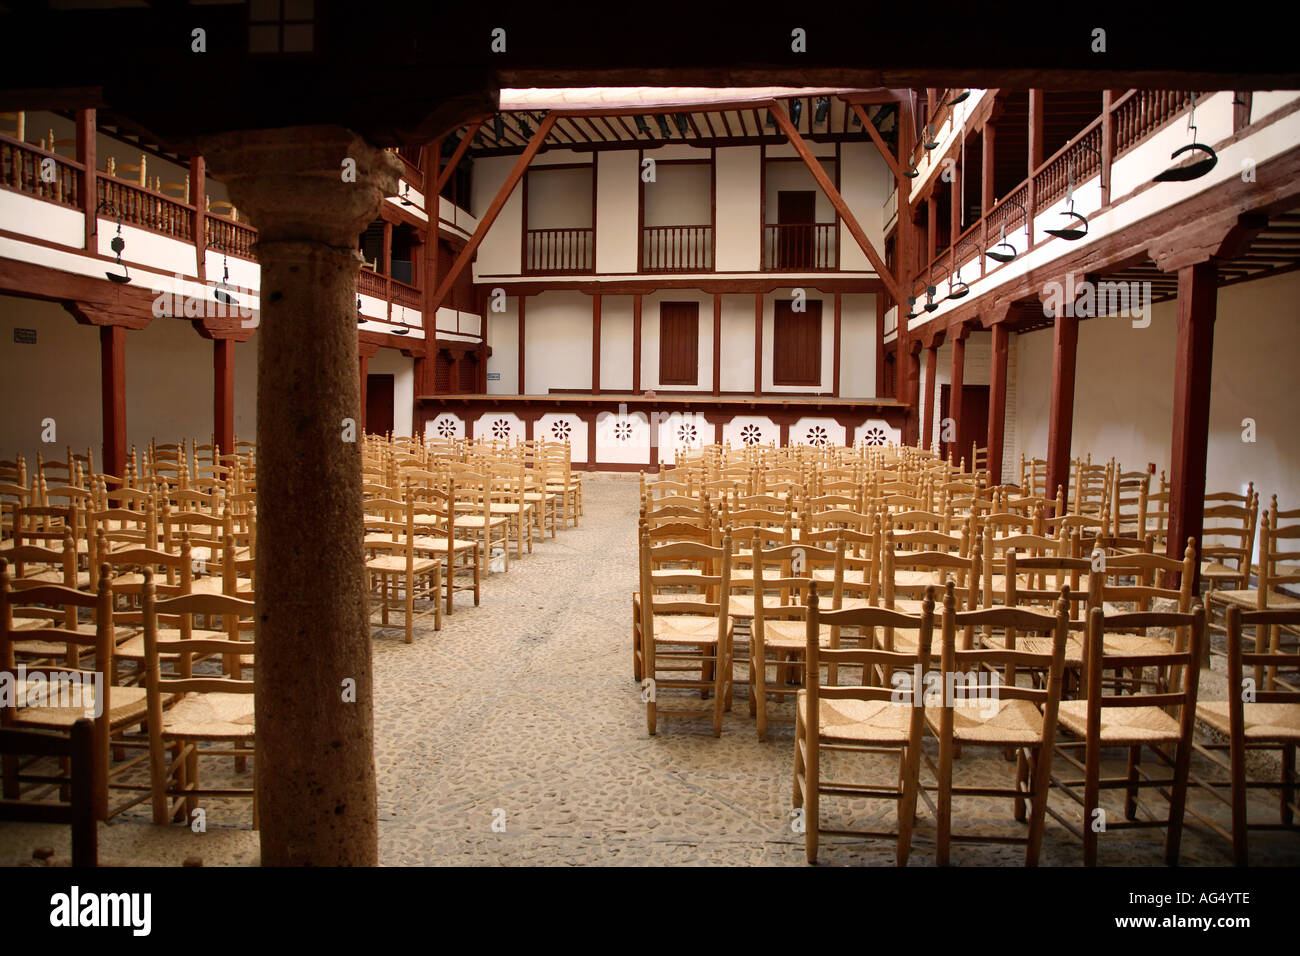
column 379, row 404
column 796, row 212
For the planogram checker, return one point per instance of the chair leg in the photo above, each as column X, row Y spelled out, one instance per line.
column 944, row 835
column 1041, row 770
column 1288, row 783
column 1178, row 801
column 1131, row 791
column 907, row 804
column 1022, row 783
column 1093, row 816
column 1237, row 770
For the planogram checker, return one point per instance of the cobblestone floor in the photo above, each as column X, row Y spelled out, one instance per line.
column 517, row 736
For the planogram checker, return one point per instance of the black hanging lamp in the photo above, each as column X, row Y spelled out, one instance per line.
column 1207, row 160
column 402, row 329
column 406, row 195
column 499, row 127
column 1010, row 253
column 796, row 110
column 664, row 130
column 525, row 130
column 931, row 142
column 642, row 126
column 220, row 290
column 823, row 109
column 117, row 245
column 930, row 304
column 957, row 288
column 771, row 120
column 1077, row 225
column 911, row 304
column 682, row 123
column 959, row 98
column 361, row 319
column 912, row 172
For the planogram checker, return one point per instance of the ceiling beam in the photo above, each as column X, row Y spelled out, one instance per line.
column 870, row 127
column 456, row 157
column 841, row 207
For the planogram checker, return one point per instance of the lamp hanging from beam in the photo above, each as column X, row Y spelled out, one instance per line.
column 959, row 98
column 117, row 245
column 219, row 291
column 823, row 109
column 1194, row 170
column 993, row 253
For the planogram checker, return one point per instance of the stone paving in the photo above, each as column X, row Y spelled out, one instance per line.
column 517, row 736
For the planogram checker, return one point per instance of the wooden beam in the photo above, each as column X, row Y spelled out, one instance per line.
column 835, row 350
column 223, row 394
column 894, row 166
column 841, row 207
column 112, row 378
column 931, row 364
column 493, row 210
column 363, row 364
column 198, row 194
column 1035, row 159
column 1197, row 298
column 523, row 347
column 595, row 344
column 1107, row 144
column 1060, row 423
column 636, row 344
column 89, row 194
column 758, row 343
column 956, row 377
column 997, row 401
column 717, row 343
column 444, row 174
column 987, row 199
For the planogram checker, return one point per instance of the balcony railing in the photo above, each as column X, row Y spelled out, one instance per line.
column 21, row 167
column 677, row 249
column 560, row 250
column 800, row 247
column 233, row 238
column 407, row 296
column 137, row 206
column 1135, row 116
column 373, row 284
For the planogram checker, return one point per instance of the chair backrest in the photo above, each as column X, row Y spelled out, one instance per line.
column 1228, row 527
column 1179, row 699
column 794, row 567
column 188, row 607
column 1276, row 674
column 1107, row 579
column 78, row 748
column 1279, row 558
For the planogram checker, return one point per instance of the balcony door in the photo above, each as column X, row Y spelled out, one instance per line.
column 796, row 212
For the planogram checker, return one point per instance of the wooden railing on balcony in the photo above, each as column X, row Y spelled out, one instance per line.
column 137, row 206
column 560, row 250
column 800, row 247
column 407, row 296
column 1139, row 113
column 372, row 283
column 21, row 168
column 677, row 248
column 1082, row 153
column 234, row 238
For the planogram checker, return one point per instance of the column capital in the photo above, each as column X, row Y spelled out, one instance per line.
column 320, row 184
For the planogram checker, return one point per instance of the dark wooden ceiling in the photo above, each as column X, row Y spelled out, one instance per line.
column 408, row 71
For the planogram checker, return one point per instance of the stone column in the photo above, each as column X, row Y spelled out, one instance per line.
column 310, row 191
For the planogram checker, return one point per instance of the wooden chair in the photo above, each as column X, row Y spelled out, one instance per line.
column 187, row 711
column 999, row 714
column 114, row 709
column 434, row 517
column 1228, row 538
column 398, row 576
column 475, row 518
column 1277, row 567
column 681, row 637
column 77, row 750
column 873, row 717
column 666, row 533
column 1262, row 713
column 1162, row 721
column 777, row 633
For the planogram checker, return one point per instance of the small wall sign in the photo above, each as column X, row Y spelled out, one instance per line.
column 25, row 336
column 494, row 376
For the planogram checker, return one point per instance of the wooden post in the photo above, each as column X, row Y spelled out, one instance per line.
column 441, row 177
column 909, row 376
column 223, row 396
column 758, row 343
column 112, row 372
column 1060, row 423
column 89, row 190
column 931, row 363
column 1035, row 157
column 595, row 344
column 987, row 198
column 717, row 343
column 636, row 345
column 835, row 350
column 363, row 362
column 198, row 194
column 523, row 339
column 997, row 402
column 1197, row 294
column 932, row 227
column 386, row 263
column 957, row 447
column 880, row 344
column 1107, row 143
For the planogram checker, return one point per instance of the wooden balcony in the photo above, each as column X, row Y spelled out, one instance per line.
column 565, row 251
column 801, row 247
column 21, row 167
column 669, row 249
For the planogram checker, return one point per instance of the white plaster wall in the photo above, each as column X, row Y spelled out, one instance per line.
column 857, row 345
column 499, row 426
column 564, row 426
column 617, row 181
column 1124, row 390
column 557, row 342
column 394, row 363
column 738, row 211
column 758, row 427
column 791, row 174
column 865, row 183
column 679, row 196
column 683, row 431
column 501, row 250
column 503, row 339
column 445, row 426
column 559, row 198
column 737, row 372
column 623, row 439
column 616, row 343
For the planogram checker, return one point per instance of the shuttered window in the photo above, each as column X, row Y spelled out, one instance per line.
column 797, row 344
column 679, row 343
